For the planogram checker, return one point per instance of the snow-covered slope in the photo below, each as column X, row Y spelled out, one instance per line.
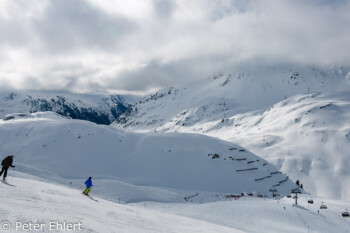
column 50, row 206
column 266, row 215
column 101, row 109
column 54, row 155
column 304, row 135
column 225, row 95
column 78, row 149
column 27, row 199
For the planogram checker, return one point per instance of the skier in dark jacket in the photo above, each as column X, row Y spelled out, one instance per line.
column 88, row 184
column 6, row 163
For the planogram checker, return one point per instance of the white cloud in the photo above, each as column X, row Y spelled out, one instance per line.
column 91, row 45
column 131, row 9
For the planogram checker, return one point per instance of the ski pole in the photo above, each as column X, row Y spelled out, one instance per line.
column 13, row 172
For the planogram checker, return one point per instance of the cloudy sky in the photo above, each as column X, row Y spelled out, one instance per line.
column 138, row 46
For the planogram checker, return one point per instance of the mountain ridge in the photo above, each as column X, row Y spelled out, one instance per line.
column 101, row 109
column 250, row 112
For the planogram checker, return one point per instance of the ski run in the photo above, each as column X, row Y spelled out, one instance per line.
column 37, row 201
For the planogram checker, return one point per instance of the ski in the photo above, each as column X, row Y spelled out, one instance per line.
column 189, row 197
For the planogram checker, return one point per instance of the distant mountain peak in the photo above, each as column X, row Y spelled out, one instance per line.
column 101, row 109
column 296, row 118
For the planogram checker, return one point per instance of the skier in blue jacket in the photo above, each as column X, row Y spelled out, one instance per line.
column 88, row 184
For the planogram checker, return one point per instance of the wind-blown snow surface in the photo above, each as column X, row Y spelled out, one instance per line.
column 306, row 135
column 187, row 162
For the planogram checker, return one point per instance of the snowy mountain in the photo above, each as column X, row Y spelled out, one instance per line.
column 101, row 109
column 47, row 143
column 279, row 114
column 306, row 136
column 225, row 95
column 140, row 181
